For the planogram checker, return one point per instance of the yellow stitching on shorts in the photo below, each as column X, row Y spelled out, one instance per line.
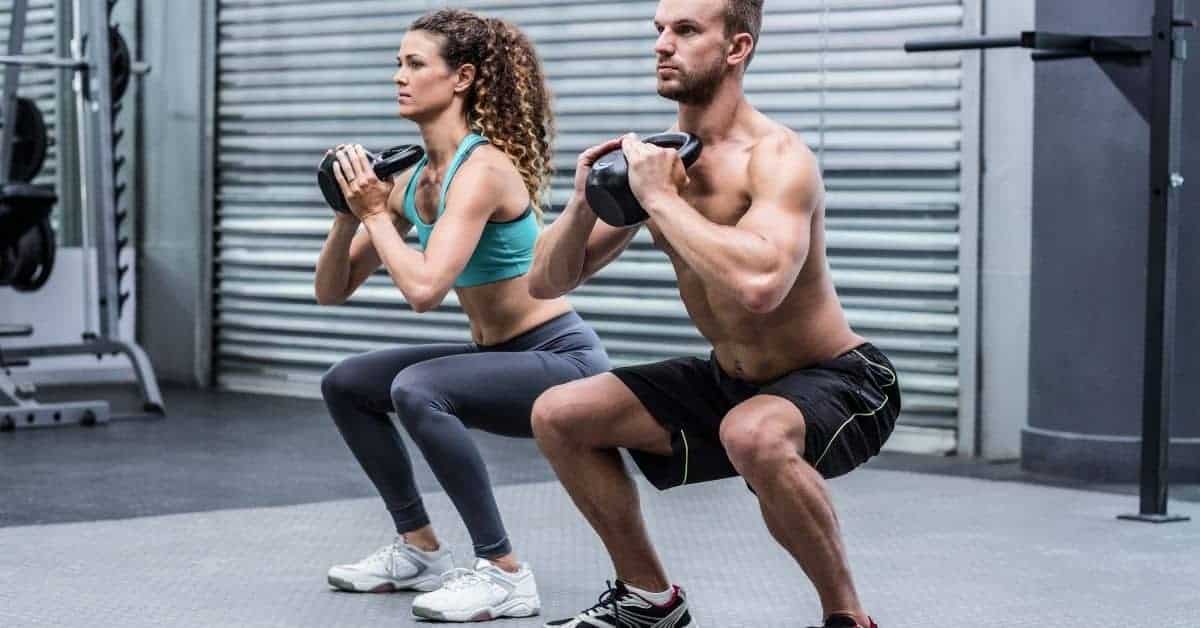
column 858, row 414
column 686, row 457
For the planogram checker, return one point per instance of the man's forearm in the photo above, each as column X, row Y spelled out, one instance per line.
column 561, row 251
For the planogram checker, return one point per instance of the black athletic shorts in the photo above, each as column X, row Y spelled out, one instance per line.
column 849, row 403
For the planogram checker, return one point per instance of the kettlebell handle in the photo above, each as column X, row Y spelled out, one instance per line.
column 687, row 145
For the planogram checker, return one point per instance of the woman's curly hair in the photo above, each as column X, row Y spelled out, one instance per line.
column 509, row 102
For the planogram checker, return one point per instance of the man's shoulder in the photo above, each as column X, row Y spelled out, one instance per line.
column 778, row 146
column 781, row 158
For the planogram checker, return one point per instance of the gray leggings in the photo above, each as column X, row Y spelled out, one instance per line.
column 438, row 391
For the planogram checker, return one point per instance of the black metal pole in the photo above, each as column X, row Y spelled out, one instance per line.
column 968, row 43
column 1166, row 80
column 1167, row 50
column 12, row 76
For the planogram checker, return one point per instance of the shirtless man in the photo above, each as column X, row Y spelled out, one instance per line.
column 789, row 396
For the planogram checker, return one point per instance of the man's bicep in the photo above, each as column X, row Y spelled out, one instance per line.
column 783, row 204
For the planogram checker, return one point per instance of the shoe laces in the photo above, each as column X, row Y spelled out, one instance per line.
column 383, row 554
column 386, row 556
column 607, row 602
column 460, row 578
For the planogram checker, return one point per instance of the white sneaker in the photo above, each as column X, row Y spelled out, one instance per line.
column 395, row 567
column 486, row 592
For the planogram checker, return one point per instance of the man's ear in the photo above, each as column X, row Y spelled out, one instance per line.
column 740, row 49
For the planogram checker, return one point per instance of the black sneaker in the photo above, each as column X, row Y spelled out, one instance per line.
column 620, row 608
column 845, row 621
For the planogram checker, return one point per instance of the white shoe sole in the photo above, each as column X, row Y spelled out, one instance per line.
column 516, row 607
column 367, row 583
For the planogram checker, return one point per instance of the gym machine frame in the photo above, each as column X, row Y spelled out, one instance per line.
column 92, row 87
column 1165, row 49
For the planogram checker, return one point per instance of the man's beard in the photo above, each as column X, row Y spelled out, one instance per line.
column 694, row 88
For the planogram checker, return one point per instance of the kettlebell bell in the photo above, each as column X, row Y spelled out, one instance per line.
column 386, row 164
column 607, row 189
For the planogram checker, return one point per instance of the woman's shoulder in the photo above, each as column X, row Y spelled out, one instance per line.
column 493, row 175
column 491, row 155
column 495, row 164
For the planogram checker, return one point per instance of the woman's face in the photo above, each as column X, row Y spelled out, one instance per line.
column 425, row 84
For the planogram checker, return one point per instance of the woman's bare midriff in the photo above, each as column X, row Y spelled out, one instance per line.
column 503, row 310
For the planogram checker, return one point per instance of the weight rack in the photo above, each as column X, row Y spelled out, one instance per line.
column 92, row 84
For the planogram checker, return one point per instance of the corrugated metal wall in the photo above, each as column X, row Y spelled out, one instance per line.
column 39, row 84
column 296, row 77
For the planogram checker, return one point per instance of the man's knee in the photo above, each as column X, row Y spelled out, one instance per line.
column 553, row 414
column 762, row 441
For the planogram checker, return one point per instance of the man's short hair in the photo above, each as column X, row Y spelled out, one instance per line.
column 744, row 16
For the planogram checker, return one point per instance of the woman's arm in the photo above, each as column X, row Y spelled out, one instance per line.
column 425, row 277
column 348, row 257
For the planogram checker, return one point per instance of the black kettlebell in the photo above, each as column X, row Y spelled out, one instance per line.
column 390, row 162
column 607, row 189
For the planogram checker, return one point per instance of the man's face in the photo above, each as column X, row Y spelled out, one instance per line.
column 691, row 49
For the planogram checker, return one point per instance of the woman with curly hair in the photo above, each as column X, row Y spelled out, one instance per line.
column 475, row 88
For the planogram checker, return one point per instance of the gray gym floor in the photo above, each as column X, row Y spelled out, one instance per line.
column 228, row 513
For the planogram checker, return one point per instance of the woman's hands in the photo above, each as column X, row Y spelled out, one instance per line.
column 365, row 193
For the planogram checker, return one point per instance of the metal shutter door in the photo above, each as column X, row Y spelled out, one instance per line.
column 296, row 77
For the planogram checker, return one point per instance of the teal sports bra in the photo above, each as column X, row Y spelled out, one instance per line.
column 505, row 249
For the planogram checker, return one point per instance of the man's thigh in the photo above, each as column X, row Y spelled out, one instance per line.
column 600, row 411
column 849, row 405
column 688, row 398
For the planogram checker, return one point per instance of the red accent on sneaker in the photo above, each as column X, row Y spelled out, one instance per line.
column 674, row 596
column 850, row 618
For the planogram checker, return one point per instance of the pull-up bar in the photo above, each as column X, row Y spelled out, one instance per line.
column 1164, row 50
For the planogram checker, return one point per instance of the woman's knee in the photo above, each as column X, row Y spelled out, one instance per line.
column 415, row 397
column 339, row 381
column 344, row 394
